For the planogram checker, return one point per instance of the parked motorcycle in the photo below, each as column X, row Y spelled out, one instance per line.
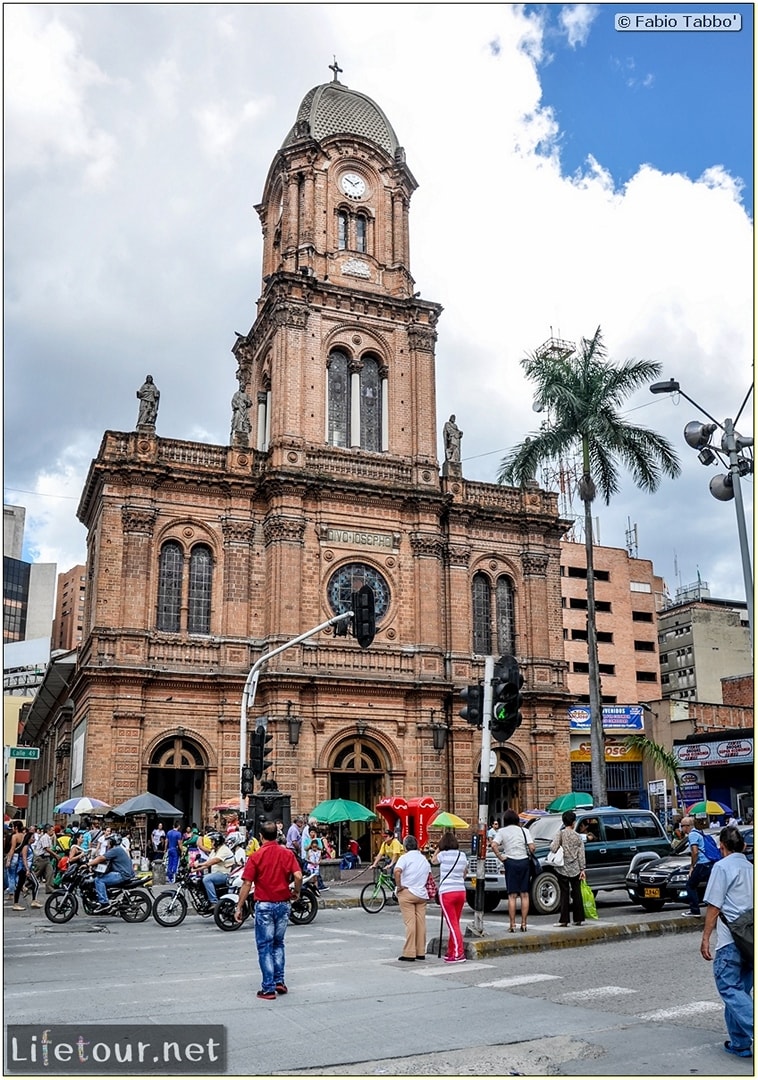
column 302, row 911
column 129, row 900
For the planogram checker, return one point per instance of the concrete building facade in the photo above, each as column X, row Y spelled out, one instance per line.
column 702, row 642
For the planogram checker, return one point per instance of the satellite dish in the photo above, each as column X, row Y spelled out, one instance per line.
column 538, row 405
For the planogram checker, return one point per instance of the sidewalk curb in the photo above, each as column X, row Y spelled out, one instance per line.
column 537, row 940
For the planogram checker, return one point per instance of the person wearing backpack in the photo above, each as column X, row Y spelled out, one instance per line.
column 728, row 895
column 700, row 866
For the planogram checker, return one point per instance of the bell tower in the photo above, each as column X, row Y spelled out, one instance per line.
column 341, row 354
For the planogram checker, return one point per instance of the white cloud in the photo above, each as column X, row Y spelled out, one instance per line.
column 47, row 80
column 158, row 269
column 576, row 20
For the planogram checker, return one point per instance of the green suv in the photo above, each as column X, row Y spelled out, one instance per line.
column 613, row 838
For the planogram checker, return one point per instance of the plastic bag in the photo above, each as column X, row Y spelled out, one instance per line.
column 588, row 901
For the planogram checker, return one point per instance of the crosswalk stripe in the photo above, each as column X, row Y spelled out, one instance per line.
column 689, row 1009
column 597, row 992
column 520, row 980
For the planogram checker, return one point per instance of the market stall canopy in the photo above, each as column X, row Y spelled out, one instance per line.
column 81, row 805
column 147, row 804
column 448, row 821
column 572, row 800
column 334, row 810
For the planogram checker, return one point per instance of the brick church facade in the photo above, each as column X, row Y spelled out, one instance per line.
column 201, row 558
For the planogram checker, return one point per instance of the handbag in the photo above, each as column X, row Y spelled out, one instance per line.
column 741, row 930
column 555, row 858
column 588, row 901
column 431, row 888
column 535, row 867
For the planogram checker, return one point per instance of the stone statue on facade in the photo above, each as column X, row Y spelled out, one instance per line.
column 452, row 436
column 149, row 395
column 241, row 426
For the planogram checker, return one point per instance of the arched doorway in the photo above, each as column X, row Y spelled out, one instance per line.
column 357, row 772
column 176, row 773
column 505, row 786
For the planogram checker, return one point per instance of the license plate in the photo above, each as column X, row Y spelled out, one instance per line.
column 651, row 894
column 473, row 883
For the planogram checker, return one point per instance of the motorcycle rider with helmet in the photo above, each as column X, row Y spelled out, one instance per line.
column 118, row 868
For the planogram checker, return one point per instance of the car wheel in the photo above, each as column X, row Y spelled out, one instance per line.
column 652, row 905
column 545, row 898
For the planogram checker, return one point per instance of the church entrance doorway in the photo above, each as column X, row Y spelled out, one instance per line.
column 505, row 787
column 176, row 773
column 357, row 773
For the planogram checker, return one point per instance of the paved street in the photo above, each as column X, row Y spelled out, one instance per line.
column 638, row 1005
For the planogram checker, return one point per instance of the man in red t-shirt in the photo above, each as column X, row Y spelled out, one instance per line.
column 277, row 876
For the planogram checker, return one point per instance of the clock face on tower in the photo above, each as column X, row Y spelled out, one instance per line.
column 348, row 579
column 352, row 185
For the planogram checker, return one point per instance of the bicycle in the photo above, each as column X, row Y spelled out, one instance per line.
column 374, row 895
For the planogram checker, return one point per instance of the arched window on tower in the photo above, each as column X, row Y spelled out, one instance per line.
column 170, row 572
column 338, row 433
column 371, row 405
column 481, row 604
column 361, row 229
column 506, row 632
column 342, row 224
column 200, row 578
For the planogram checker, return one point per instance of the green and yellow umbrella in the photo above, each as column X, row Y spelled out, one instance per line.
column 448, row 821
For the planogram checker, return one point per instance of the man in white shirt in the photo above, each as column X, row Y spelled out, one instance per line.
column 729, row 893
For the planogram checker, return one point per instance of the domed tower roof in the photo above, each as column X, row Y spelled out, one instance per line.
column 334, row 109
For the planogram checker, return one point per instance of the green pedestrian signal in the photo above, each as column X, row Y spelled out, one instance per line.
column 506, row 698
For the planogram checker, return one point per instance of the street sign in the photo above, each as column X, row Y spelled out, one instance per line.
column 24, row 752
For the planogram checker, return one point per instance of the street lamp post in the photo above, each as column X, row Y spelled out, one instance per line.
column 727, row 487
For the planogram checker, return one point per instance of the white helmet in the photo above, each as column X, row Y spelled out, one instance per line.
column 235, row 839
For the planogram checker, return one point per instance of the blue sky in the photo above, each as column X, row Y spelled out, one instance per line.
column 569, row 176
column 680, row 101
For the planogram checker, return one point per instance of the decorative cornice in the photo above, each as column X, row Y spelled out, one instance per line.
column 534, row 563
column 422, row 338
column 289, row 314
column 138, row 519
column 430, row 545
column 459, row 555
column 278, row 527
column 237, row 531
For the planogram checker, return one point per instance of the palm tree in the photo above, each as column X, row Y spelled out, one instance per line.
column 663, row 760
column 581, row 392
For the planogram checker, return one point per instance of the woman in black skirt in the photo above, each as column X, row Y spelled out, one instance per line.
column 512, row 845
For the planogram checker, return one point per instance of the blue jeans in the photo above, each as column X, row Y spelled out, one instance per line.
column 700, row 872
column 210, row 881
column 270, row 927
column 172, row 863
column 734, row 981
column 113, row 877
column 11, row 874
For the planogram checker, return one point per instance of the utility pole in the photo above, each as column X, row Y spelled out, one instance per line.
column 484, row 797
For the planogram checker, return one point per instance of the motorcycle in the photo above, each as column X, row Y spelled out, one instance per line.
column 129, row 900
column 302, row 911
column 170, row 907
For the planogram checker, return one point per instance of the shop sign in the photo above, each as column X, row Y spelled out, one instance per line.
column 615, row 750
column 615, row 718
column 724, row 752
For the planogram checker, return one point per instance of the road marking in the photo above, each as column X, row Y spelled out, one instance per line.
column 520, row 980
column 683, row 1010
column 446, row 969
column 597, row 992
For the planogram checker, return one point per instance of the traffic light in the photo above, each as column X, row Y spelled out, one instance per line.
column 260, row 751
column 364, row 620
column 472, row 710
column 246, row 783
column 506, row 698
